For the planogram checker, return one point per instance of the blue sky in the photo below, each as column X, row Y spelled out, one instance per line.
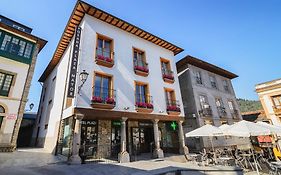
column 242, row 36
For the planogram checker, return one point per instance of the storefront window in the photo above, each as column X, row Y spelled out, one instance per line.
column 66, row 140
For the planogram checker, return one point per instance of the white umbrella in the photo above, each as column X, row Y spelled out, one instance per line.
column 246, row 129
column 206, row 131
column 274, row 129
column 224, row 127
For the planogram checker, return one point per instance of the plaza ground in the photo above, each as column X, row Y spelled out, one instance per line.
column 37, row 162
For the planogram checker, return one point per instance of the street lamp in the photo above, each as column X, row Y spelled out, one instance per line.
column 83, row 77
column 31, row 105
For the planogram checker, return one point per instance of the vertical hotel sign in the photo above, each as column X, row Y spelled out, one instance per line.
column 74, row 63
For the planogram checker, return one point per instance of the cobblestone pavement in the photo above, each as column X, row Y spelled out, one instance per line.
column 36, row 162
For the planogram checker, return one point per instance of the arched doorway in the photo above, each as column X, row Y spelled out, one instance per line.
column 2, row 114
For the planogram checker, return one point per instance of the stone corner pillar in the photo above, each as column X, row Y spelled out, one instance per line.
column 157, row 152
column 123, row 156
column 183, row 149
column 75, row 158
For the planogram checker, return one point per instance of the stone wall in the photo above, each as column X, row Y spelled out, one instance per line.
column 104, row 139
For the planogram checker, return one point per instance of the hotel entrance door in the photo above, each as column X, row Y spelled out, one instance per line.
column 142, row 138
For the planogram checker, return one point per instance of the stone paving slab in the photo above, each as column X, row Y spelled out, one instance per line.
column 37, row 162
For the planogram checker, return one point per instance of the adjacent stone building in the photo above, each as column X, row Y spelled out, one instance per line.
column 208, row 98
column 18, row 55
column 111, row 89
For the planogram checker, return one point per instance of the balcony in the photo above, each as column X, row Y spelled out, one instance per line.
column 277, row 109
column 206, row 111
column 235, row 114
column 173, row 107
column 222, row 112
column 144, row 103
column 104, row 57
column 198, row 80
column 168, row 76
column 141, row 68
column 103, row 98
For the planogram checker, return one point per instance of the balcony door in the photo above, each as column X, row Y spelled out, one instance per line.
column 141, row 93
column 104, row 47
column 139, row 58
column 203, row 102
column 170, row 97
column 102, row 86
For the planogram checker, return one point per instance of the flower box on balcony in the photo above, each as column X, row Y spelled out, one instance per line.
column 141, row 70
column 98, row 102
column 144, row 107
column 104, row 61
column 168, row 78
column 173, row 110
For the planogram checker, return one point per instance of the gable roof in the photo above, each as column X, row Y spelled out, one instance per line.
column 81, row 8
column 183, row 64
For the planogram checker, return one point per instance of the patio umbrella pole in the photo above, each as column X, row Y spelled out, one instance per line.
column 215, row 157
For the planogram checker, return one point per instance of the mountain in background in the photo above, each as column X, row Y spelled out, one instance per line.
column 249, row 105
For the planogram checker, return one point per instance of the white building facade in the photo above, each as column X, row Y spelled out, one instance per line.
column 208, row 98
column 130, row 103
column 18, row 54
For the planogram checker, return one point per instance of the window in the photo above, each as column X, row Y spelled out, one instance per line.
column 5, row 83
column 220, row 106
column 140, row 65
column 167, row 73
column 213, row 82
column 16, row 46
column 277, row 101
column 104, row 51
column 225, row 85
column 172, row 103
column 231, row 105
column 142, row 93
column 203, row 102
column 198, row 77
column 104, row 46
column 102, row 88
column 2, row 114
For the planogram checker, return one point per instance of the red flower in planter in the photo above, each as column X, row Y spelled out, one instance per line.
column 96, row 99
column 173, row 108
column 100, row 57
column 149, row 105
column 108, row 59
column 168, row 76
column 140, row 68
column 110, row 100
column 141, row 104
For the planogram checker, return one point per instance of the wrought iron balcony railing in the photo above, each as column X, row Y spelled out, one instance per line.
column 222, row 112
column 173, row 106
column 144, row 101
column 206, row 112
column 104, row 96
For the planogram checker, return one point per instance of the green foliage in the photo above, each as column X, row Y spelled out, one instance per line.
column 249, row 105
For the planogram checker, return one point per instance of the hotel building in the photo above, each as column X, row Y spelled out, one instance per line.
column 18, row 55
column 111, row 89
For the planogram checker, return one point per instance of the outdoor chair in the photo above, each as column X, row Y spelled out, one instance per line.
column 272, row 169
column 277, row 154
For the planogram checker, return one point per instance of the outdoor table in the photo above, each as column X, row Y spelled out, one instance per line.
column 246, row 159
column 278, row 164
column 226, row 160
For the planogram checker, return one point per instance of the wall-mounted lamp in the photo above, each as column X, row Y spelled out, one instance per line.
column 31, row 106
column 83, row 78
